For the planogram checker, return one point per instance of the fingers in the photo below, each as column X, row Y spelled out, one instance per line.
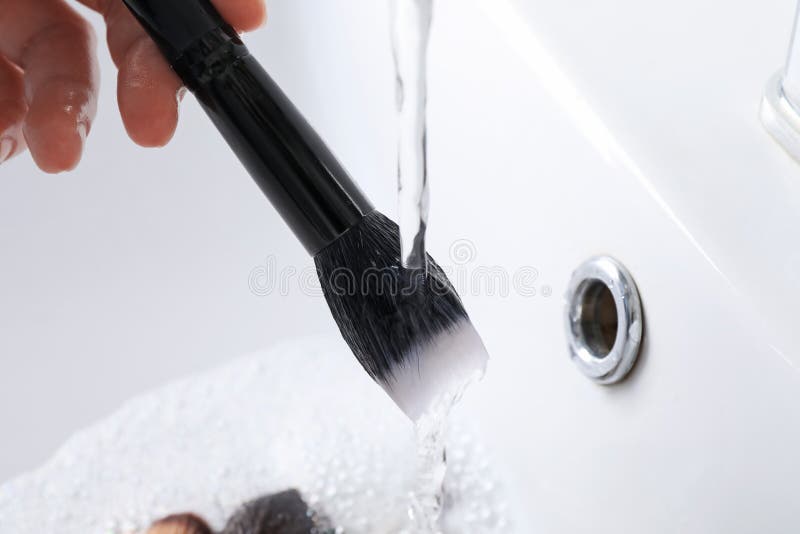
column 54, row 47
column 147, row 90
column 12, row 110
column 61, row 80
column 244, row 15
column 148, row 93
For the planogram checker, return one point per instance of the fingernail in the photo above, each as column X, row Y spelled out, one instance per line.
column 7, row 146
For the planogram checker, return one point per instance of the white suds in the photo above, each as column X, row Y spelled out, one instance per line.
column 299, row 416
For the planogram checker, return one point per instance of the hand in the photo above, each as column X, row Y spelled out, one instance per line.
column 49, row 77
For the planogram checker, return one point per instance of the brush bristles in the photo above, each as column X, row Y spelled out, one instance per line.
column 393, row 319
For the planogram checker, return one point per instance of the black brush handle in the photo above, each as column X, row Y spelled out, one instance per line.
column 283, row 154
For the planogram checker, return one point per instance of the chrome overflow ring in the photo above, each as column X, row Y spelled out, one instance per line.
column 603, row 320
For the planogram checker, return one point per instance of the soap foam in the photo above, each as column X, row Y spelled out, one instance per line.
column 299, row 416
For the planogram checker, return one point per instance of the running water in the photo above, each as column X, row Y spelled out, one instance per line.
column 411, row 23
column 428, row 494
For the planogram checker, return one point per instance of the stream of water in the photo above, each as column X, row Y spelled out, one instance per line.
column 428, row 494
column 411, row 23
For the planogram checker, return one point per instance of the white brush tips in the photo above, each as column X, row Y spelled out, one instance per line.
column 439, row 370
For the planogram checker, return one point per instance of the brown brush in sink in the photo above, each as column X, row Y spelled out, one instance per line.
column 280, row 513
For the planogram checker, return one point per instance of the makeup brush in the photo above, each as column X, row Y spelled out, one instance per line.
column 408, row 329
